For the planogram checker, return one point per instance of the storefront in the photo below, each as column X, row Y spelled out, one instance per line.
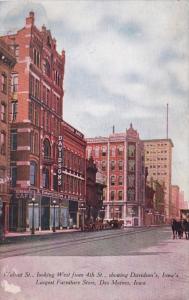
column 73, row 211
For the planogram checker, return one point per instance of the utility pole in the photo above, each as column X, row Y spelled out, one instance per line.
column 167, row 127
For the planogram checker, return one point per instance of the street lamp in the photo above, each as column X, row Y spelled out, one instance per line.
column 83, row 209
column 113, row 209
column 132, row 213
column 33, row 228
column 150, row 214
column 102, row 212
column 54, row 227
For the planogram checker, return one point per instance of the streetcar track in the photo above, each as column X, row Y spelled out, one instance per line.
column 68, row 243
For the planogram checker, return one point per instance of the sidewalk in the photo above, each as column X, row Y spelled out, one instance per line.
column 19, row 236
column 44, row 234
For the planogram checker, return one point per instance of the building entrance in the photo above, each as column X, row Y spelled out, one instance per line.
column 45, row 213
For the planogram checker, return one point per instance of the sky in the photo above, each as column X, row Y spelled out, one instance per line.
column 125, row 60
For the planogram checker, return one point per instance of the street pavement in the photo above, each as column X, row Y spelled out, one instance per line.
column 139, row 264
column 108, row 242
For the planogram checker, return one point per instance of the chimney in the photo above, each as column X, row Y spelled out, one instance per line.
column 63, row 53
column 30, row 19
column 54, row 42
column 113, row 129
column 43, row 28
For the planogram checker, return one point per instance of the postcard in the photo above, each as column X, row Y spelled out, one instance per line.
column 94, row 145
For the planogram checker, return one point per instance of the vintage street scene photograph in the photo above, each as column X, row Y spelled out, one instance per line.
column 94, row 150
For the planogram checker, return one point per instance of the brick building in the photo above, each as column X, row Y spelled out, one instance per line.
column 154, row 203
column 74, row 172
column 158, row 160
column 7, row 62
column 120, row 157
column 94, row 192
column 47, row 154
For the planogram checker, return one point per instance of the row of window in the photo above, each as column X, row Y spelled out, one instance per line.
column 34, row 87
column 50, row 99
column 154, row 159
column 97, row 151
column 155, row 152
column 114, row 196
column 162, row 173
column 113, row 164
column 159, row 166
column 70, row 160
column 73, row 185
column 49, row 122
column 116, row 180
column 46, row 67
column 73, row 161
column 70, row 183
column 155, row 145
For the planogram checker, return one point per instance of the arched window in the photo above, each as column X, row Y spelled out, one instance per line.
column 33, row 172
column 2, row 142
column 46, row 178
column 47, row 148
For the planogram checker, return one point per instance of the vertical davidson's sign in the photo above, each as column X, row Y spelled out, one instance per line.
column 60, row 159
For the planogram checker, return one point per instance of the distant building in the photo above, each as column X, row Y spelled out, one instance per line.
column 7, row 62
column 120, row 157
column 175, row 205
column 94, row 191
column 183, row 204
column 158, row 160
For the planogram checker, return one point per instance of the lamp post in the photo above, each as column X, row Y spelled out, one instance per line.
column 132, row 213
column 33, row 229
column 1, row 219
column 113, row 209
column 54, row 227
column 150, row 214
column 102, row 213
column 83, row 208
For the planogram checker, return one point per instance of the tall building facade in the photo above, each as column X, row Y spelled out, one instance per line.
column 120, row 157
column 43, row 161
column 73, row 174
column 175, row 205
column 7, row 62
column 158, row 160
column 183, row 204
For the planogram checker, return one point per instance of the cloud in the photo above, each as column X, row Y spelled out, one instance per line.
column 124, row 61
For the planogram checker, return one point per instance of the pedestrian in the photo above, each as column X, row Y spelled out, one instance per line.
column 174, row 227
column 180, row 229
column 187, row 229
column 184, row 226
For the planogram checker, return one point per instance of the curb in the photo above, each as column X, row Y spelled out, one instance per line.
column 29, row 238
